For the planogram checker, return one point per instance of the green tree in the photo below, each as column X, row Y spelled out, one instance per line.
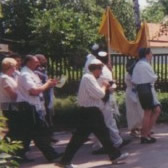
column 63, row 29
column 156, row 11
column 14, row 26
column 124, row 12
column 58, row 27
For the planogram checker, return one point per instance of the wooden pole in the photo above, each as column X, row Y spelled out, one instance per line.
column 108, row 39
column 137, row 14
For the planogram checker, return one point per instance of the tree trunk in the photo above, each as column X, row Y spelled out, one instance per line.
column 137, row 14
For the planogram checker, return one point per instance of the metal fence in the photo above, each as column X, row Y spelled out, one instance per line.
column 73, row 69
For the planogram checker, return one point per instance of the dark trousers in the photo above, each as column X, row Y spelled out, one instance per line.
column 33, row 128
column 15, row 130
column 91, row 120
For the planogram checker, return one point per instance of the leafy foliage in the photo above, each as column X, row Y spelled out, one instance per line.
column 66, row 110
column 7, row 148
column 61, row 30
column 156, row 11
column 57, row 27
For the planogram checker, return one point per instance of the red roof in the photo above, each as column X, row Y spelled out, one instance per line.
column 156, row 37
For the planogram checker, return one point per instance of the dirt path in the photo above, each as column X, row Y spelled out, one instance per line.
column 141, row 156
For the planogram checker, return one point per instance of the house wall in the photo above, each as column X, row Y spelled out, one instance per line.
column 159, row 50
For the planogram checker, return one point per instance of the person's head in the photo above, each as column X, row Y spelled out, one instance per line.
column 31, row 62
column 103, row 57
column 95, row 67
column 145, row 53
column 130, row 65
column 18, row 59
column 42, row 59
column 95, row 49
column 8, row 65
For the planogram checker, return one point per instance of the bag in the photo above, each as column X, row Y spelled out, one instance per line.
column 145, row 95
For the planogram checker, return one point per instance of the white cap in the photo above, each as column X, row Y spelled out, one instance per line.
column 95, row 62
column 95, row 47
column 102, row 54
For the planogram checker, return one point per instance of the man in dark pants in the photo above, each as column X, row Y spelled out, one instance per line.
column 90, row 117
column 41, row 71
column 32, row 109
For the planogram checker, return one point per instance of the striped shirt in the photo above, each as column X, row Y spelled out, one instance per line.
column 90, row 93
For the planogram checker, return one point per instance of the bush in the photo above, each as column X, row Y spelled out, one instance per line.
column 66, row 110
column 7, row 148
column 163, row 98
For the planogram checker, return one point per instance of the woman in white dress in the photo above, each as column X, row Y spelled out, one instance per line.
column 134, row 111
column 144, row 78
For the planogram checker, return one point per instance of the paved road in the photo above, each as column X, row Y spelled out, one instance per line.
column 141, row 156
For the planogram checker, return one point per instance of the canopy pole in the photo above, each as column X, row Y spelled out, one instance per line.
column 108, row 39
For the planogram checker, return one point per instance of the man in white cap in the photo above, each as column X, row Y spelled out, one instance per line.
column 91, row 119
column 109, row 106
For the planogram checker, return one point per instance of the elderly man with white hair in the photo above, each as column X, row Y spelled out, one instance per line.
column 91, row 119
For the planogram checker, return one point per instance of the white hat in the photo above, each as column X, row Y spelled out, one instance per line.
column 102, row 54
column 95, row 62
column 95, row 47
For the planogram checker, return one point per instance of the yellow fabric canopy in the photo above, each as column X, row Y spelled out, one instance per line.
column 113, row 31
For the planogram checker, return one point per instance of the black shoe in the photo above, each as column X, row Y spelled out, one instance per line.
column 57, row 156
column 87, row 139
column 125, row 142
column 54, row 140
column 100, row 151
column 24, row 159
column 120, row 158
column 62, row 165
column 153, row 139
column 147, row 140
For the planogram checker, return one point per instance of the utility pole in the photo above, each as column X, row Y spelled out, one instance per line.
column 137, row 14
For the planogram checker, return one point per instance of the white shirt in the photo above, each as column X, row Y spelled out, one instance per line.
column 90, row 93
column 143, row 73
column 16, row 75
column 6, row 81
column 29, row 80
column 106, row 75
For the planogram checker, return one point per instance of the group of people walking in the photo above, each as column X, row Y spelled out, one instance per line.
column 23, row 103
column 98, row 106
column 27, row 102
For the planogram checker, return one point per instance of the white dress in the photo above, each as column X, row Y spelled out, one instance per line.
column 134, row 111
